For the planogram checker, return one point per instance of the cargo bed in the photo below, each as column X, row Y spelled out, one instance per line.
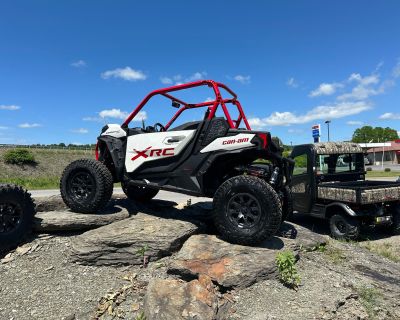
column 360, row 192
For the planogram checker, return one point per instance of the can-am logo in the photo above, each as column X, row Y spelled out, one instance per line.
column 148, row 152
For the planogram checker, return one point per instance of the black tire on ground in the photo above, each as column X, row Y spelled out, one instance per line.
column 86, row 185
column 141, row 194
column 344, row 227
column 396, row 220
column 287, row 206
column 16, row 215
column 247, row 210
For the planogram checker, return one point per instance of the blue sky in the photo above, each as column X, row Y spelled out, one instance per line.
column 67, row 67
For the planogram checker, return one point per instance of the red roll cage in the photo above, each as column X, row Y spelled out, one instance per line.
column 212, row 105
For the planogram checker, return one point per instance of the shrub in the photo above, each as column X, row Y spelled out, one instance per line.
column 387, row 170
column 19, row 156
column 369, row 169
column 286, row 263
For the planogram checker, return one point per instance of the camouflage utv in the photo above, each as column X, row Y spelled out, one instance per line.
column 329, row 182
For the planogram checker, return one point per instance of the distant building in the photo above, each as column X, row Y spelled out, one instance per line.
column 388, row 152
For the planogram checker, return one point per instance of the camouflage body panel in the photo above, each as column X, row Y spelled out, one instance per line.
column 337, row 194
column 367, row 196
column 380, row 195
column 337, row 148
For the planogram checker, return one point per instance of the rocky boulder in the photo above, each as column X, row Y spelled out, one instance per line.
column 176, row 299
column 131, row 241
column 229, row 265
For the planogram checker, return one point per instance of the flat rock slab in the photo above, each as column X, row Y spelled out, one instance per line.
column 229, row 265
column 71, row 221
column 175, row 299
column 131, row 240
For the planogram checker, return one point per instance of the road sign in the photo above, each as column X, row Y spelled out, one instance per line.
column 316, row 132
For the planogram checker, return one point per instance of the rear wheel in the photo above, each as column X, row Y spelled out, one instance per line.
column 141, row 194
column 16, row 215
column 396, row 220
column 247, row 210
column 86, row 185
column 344, row 227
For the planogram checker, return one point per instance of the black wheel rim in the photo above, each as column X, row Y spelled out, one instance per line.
column 82, row 186
column 10, row 217
column 244, row 210
column 340, row 226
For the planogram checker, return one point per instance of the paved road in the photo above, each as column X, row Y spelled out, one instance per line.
column 163, row 195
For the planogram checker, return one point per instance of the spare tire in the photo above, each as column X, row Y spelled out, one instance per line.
column 247, row 210
column 16, row 214
column 86, row 185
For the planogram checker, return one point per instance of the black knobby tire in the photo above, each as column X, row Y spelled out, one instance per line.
column 17, row 210
column 86, row 185
column 141, row 194
column 247, row 210
column 396, row 220
column 344, row 227
column 287, row 205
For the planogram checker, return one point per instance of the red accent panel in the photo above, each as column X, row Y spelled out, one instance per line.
column 263, row 136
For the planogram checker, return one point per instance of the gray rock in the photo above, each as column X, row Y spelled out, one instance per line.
column 69, row 221
column 229, row 265
column 120, row 243
column 175, row 299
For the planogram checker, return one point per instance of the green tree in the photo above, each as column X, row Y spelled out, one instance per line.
column 377, row 134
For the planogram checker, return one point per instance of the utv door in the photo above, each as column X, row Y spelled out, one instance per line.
column 302, row 180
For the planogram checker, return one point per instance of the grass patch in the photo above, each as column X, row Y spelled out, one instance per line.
column 336, row 255
column 39, row 183
column 383, row 249
column 369, row 298
column 286, row 263
column 381, row 173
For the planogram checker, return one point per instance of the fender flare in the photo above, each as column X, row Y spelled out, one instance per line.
column 344, row 207
column 116, row 148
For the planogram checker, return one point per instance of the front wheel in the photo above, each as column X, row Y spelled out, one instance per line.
column 136, row 193
column 247, row 210
column 16, row 215
column 86, row 185
column 344, row 227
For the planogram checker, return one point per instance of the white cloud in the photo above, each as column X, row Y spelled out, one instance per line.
column 79, row 64
column 325, row 89
column 365, row 87
column 94, row 119
column 3, row 128
column 80, row 131
column 335, row 111
column 118, row 114
column 9, row 107
column 166, row 80
column 390, row 116
column 292, row 130
column 179, row 79
column 242, row 79
column 126, row 73
column 396, row 69
column 355, row 123
column 291, row 82
column 196, row 76
column 29, row 125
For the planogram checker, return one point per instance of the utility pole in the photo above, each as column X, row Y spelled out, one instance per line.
column 327, row 123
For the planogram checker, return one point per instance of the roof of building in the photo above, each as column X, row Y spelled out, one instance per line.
column 394, row 146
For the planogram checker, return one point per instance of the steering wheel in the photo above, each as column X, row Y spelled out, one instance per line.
column 159, row 125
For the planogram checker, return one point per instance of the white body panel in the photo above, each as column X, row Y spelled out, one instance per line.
column 241, row 140
column 114, row 130
column 152, row 146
